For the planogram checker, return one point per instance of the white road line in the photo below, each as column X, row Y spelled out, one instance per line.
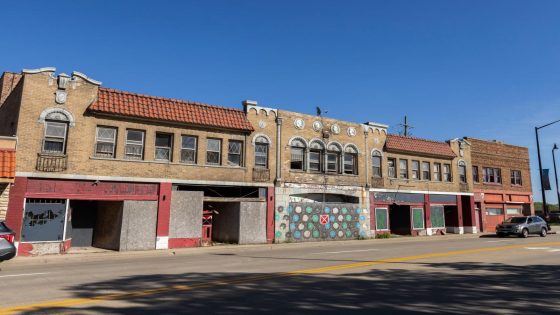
column 25, row 274
column 348, row 251
column 544, row 248
column 554, row 250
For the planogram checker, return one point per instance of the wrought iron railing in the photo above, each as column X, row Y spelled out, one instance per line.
column 261, row 174
column 51, row 162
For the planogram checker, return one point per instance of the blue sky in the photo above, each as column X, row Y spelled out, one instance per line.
column 485, row 69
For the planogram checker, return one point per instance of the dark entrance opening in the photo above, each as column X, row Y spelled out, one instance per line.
column 94, row 223
column 399, row 218
column 451, row 218
column 225, row 221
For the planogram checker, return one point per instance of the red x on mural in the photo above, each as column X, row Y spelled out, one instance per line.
column 324, row 218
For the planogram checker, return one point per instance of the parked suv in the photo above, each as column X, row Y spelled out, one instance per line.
column 522, row 226
column 7, row 248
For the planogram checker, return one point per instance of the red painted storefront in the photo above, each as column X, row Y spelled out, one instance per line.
column 25, row 188
column 493, row 207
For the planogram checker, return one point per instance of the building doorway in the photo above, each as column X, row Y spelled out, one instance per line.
column 400, row 220
column 95, row 223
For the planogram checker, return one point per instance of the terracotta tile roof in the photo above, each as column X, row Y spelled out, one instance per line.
column 419, row 146
column 7, row 163
column 122, row 103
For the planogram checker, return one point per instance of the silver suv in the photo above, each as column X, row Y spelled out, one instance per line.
column 522, row 226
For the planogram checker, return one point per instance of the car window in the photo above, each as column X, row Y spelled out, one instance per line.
column 516, row 220
column 537, row 219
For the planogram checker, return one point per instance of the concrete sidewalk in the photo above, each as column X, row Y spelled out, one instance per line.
column 89, row 254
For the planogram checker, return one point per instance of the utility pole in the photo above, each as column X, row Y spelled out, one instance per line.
column 406, row 127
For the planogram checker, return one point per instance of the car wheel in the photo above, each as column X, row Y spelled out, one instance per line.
column 500, row 234
column 543, row 232
column 524, row 233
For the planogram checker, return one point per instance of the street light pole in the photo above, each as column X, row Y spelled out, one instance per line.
column 555, row 173
column 545, row 207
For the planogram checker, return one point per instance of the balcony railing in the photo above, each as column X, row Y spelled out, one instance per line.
column 261, row 174
column 51, row 162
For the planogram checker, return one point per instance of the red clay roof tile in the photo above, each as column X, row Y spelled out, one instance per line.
column 7, row 163
column 420, row 146
column 116, row 102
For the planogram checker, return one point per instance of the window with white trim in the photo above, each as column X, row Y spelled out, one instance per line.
column 261, row 152
column 351, row 161
column 105, row 141
column 403, row 169
column 492, row 175
column 235, row 153
column 316, row 151
column 214, row 151
column 333, row 158
column 446, row 172
column 55, row 137
column 297, row 155
column 376, row 164
column 391, row 167
column 462, row 172
column 189, row 145
column 426, row 171
column 415, row 169
column 516, row 178
column 134, row 146
column 164, row 147
column 437, row 171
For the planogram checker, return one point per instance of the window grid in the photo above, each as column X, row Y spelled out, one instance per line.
column 235, row 149
column 55, row 137
column 214, row 151
column 163, row 146
column 134, row 147
column 189, row 149
column 105, row 142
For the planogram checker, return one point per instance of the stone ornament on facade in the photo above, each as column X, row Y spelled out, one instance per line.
column 57, row 114
column 262, row 124
column 351, row 131
column 317, row 125
column 335, row 129
column 299, row 123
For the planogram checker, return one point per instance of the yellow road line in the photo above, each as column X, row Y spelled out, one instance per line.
column 214, row 283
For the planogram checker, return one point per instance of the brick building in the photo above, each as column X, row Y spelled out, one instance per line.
column 502, row 182
column 118, row 170
column 422, row 187
column 7, row 171
column 125, row 171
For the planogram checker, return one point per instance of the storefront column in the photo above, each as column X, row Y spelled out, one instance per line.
column 163, row 216
column 428, row 214
column 460, row 228
column 270, row 201
column 16, row 204
column 472, row 213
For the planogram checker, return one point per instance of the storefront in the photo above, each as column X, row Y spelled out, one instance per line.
column 496, row 206
column 415, row 214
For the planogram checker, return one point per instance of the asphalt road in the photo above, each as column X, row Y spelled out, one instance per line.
column 447, row 275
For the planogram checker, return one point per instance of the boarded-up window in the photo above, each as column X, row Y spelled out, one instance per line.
column 43, row 220
column 418, row 218
column 437, row 216
column 381, row 216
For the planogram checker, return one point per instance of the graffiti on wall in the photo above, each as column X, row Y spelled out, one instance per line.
column 311, row 221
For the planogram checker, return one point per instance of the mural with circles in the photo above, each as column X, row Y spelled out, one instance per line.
column 307, row 221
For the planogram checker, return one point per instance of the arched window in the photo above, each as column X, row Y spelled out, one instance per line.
column 351, row 160
column 261, row 152
column 334, row 151
column 376, row 163
column 56, row 132
column 462, row 172
column 297, row 149
column 316, row 155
